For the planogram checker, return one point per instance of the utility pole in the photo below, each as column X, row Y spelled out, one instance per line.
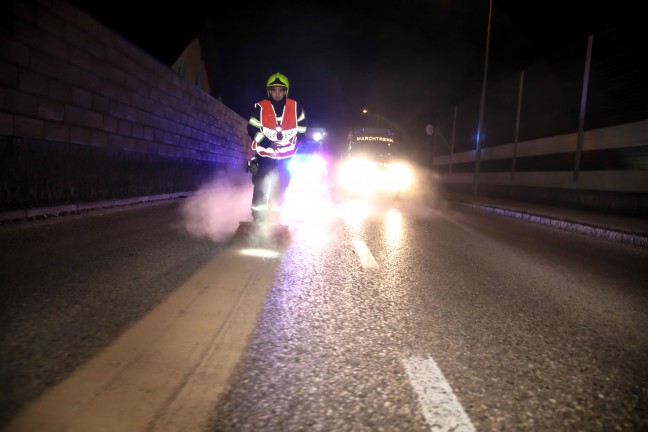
column 482, row 102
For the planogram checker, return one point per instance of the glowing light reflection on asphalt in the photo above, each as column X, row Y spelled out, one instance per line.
column 260, row 252
column 393, row 227
column 355, row 212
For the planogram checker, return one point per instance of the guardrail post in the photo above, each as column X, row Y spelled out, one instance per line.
column 581, row 116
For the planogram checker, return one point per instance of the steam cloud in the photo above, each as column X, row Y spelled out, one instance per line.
column 217, row 208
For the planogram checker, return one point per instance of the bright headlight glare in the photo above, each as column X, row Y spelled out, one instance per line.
column 310, row 165
column 398, row 177
column 358, row 175
column 365, row 177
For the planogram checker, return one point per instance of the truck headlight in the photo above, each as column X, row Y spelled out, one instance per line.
column 398, row 177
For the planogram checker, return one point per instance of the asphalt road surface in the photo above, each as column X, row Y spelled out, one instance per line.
column 401, row 316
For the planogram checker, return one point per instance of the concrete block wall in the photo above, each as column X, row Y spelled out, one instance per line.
column 74, row 91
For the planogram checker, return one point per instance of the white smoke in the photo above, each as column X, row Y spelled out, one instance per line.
column 216, row 209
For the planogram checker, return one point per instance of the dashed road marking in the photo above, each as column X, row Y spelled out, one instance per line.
column 440, row 406
column 366, row 257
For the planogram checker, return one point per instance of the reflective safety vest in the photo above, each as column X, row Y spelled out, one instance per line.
column 281, row 131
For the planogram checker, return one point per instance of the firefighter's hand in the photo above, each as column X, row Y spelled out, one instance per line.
column 252, row 166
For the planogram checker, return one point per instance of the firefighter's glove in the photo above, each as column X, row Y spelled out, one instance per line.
column 252, row 166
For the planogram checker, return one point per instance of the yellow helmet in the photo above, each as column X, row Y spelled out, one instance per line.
column 279, row 80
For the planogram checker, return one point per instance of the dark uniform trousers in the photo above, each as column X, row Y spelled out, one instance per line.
column 270, row 185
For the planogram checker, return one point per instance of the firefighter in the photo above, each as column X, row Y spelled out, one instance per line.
column 277, row 125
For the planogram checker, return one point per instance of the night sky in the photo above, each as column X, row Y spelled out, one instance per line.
column 406, row 60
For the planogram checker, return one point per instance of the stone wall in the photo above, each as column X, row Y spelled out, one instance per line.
column 86, row 115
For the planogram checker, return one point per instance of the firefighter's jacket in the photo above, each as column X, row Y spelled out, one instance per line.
column 276, row 134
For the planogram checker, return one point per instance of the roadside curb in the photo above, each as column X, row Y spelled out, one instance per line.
column 22, row 214
column 620, row 236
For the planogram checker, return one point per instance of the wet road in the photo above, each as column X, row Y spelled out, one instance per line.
column 532, row 328
column 405, row 317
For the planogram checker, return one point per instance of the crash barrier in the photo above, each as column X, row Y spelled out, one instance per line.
column 86, row 116
column 570, row 130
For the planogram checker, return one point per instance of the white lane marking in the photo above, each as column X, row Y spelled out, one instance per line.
column 440, row 406
column 366, row 258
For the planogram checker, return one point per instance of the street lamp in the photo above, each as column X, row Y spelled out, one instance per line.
column 377, row 116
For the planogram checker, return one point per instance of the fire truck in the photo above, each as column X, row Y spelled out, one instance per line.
column 371, row 164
